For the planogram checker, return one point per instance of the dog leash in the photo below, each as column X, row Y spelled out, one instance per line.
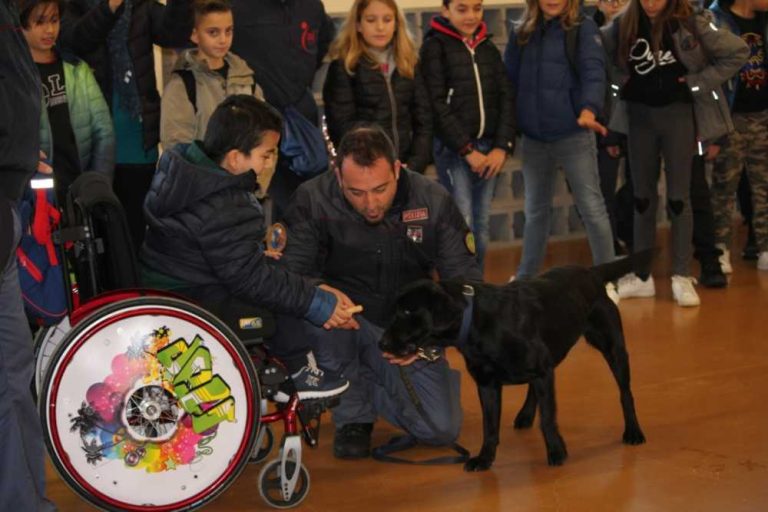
column 400, row 443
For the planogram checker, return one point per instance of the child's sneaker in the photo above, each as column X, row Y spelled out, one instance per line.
column 762, row 261
column 683, row 291
column 312, row 383
column 725, row 259
column 610, row 289
column 632, row 286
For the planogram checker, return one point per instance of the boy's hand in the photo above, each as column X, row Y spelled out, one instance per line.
column 43, row 167
column 712, row 151
column 271, row 253
column 342, row 317
column 400, row 361
column 477, row 161
column 587, row 120
column 495, row 160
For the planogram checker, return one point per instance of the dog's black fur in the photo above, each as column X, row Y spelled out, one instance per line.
column 518, row 334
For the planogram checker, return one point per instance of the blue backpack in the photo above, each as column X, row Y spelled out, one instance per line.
column 41, row 273
column 303, row 144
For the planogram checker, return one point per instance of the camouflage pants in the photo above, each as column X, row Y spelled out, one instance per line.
column 746, row 147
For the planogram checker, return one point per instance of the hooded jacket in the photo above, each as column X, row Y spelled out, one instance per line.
column 399, row 105
column 179, row 122
column 550, row 95
column 468, row 87
column 84, row 30
column 89, row 117
column 423, row 231
column 206, row 229
column 711, row 57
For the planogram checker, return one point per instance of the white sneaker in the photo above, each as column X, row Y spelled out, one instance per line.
column 762, row 261
column 683, row 291
column 725, row 259
column 632, row 286
column 610, row 290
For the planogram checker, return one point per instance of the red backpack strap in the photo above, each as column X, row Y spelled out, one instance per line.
column 45, row 219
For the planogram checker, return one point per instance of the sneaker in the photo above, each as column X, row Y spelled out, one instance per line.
column 683, row 291
column 762, row 261
column 353, row 441
column 712, row 275
column 632, row 286
column 311, row 382
column 725, row 259
column 610, row 289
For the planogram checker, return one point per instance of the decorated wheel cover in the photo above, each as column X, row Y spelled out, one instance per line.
column 150, row 404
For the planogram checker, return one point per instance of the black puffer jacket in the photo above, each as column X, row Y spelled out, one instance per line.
column 423, row 231
column 206, row 228
column 468, row 87
column 400, row 105
column 84, row 30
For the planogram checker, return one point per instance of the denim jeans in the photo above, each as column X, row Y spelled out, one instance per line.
column 577, row 154
column 472, row 193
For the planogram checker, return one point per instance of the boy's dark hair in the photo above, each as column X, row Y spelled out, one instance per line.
column 26, row 7
column 365, row 143
column 202, row 7
column 239, row 122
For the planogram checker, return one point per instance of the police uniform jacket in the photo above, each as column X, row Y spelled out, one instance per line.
column 422, row 232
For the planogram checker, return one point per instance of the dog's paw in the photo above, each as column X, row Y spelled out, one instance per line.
column 523, row 421
column 478, row 464
column 556, row 456
column 633, row 436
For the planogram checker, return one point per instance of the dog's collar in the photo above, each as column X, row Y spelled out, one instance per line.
column 466, row 319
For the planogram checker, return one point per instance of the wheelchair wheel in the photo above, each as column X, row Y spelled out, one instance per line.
column 150, row 404
column 264, row 443
column 271, row 483
column 46, row 341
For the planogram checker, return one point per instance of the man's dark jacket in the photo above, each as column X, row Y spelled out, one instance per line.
column 84, row 30
column 422, row 232
column 206, row 229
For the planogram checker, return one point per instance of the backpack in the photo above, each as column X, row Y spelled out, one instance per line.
column 188, row 77
column 41, row 268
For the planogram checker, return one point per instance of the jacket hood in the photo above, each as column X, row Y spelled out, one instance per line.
column 441, row 25
column 188, row 59
column 182, row 179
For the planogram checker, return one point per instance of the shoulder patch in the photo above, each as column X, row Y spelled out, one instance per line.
column 469, row 241
column 277, row 237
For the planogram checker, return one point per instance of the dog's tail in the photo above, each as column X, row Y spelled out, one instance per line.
column 615, row 269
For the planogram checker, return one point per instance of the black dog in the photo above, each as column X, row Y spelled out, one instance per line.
column 518, row 333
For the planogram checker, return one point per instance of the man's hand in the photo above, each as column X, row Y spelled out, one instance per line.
column 477, row 161
column 495, row 160
column 342, row 315
column 271, row 253
column 712, row 151
column 400, row 361
column 43, row 167
column 587, row 120
column 114, row 5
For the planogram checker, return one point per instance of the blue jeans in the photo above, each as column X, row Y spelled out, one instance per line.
column 22, row 453
column 472, row 193
column 577, row 154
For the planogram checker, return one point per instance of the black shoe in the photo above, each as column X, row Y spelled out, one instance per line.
column 750, row 252
column 353, row 441
column 712, row 275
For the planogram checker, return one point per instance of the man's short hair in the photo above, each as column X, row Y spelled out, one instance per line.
column 366, row 144
column 201, row 8
column 26, row 7
column 239, row 122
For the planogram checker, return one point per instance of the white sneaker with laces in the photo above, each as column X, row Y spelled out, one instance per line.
column 725, row 259
column 683, row 291
column 632, row 286
column 610, row 289
column 762, row 261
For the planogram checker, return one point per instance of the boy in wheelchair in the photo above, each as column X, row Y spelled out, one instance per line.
column 206, row 231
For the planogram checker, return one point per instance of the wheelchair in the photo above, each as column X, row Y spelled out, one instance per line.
column 150, row 402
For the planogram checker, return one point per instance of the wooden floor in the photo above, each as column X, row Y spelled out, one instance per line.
column 700, row 381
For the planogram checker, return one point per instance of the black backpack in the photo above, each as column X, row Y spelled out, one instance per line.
column 188, row 77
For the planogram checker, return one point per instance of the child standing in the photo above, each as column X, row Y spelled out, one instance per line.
column 75, row 127
column 671, row 62
column 557, row 105
column 747, row 146
column 211, row 69
column 473, row 110
column 373, row 78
